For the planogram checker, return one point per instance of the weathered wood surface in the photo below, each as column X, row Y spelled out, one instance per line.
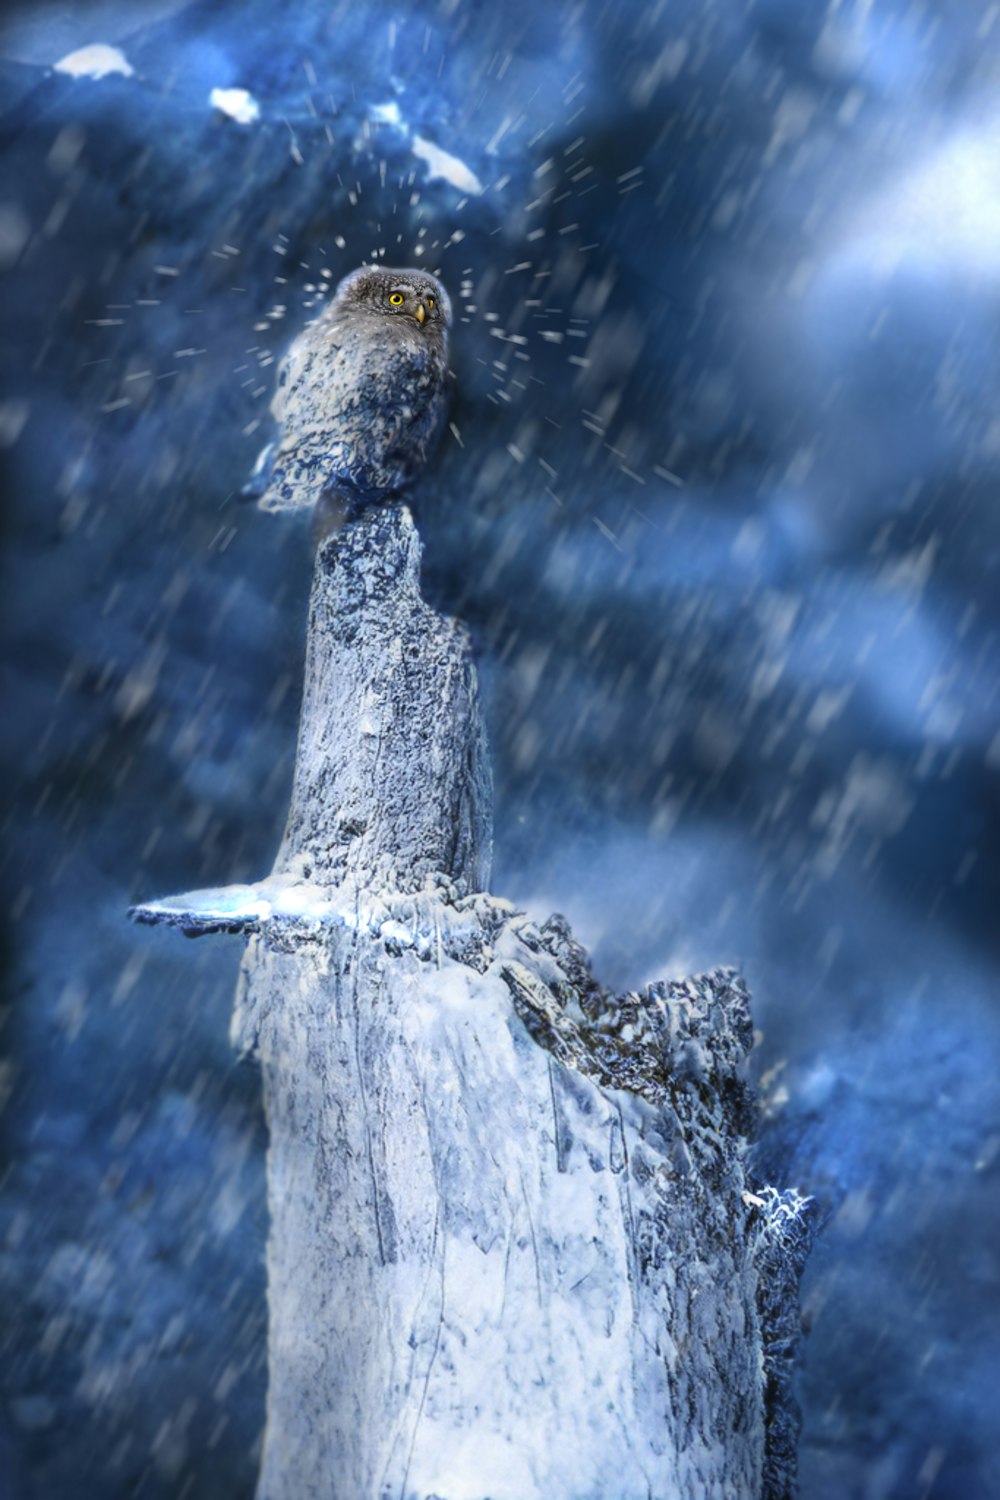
column 513, row 1252
column 392, row 783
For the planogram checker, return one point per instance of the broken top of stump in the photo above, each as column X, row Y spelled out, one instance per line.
column 392, row 783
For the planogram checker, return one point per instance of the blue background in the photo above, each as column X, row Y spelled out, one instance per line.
column 720, row 509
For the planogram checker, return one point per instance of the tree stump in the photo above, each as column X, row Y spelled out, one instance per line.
column 514, row 1252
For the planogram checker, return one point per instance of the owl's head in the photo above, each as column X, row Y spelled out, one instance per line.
column 414, row 295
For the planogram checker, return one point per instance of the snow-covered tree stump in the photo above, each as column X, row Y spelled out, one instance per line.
column 514, row 1253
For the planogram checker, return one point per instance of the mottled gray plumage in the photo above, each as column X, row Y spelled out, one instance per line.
column 361, row 395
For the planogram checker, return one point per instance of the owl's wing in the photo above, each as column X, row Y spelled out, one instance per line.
column 302, row 376
column 307, row 365
column 299, row 354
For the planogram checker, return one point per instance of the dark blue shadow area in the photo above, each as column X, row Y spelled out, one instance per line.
column 719, row 506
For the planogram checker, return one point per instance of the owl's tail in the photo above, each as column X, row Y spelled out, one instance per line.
column 282, row 480
column 298, row 478
column 259, row 480
column 285, row 479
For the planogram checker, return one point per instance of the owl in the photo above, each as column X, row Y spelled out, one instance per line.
column 361, row 397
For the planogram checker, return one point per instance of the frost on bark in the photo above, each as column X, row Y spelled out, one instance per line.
column 514, row 1253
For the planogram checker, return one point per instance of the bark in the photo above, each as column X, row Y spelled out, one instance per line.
column 392, row 784
column 514, row 1252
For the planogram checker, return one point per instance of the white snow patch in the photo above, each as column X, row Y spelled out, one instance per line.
column 449, row 168
column 387, row 114
column 235, row 903
column 278, row 896
column 298, row 900
column 95, row 61
column 238, row 104
column 397, row 933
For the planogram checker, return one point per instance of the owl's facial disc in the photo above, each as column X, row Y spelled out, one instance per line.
column 408, row 293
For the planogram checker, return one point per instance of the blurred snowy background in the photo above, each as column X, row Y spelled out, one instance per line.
column 720, row 506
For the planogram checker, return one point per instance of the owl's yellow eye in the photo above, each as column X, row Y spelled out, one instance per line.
column 430, row 301
column 396, row 299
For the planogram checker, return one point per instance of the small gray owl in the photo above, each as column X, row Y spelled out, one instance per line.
column 361, row 397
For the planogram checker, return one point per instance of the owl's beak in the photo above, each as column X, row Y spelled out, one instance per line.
column 421, row 313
